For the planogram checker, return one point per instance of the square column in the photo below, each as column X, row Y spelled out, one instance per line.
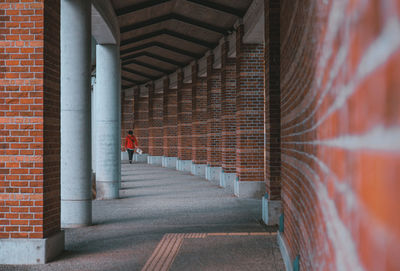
column 271, row 202
column 213, row 170
column 184, row 99
column 30, row 130
column 142, row 127
column 250, row 118
column 170, row 126
column 155, row 126
column 127, row 116
column 228, row 118
column 199, row 124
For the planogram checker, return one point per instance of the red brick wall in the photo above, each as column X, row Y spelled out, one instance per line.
column 155, row 122
column 340, row 112
column 199, row 124
column 170, row 121
column 136, row 98
column 29, row 119
column 214, row 114
column 142, row 127
column 250, row 110
column 272, row 98
column 228, row 111
column 127, row 113
column 184, row 119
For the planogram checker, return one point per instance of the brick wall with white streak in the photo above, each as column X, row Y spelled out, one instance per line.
column 340, row 126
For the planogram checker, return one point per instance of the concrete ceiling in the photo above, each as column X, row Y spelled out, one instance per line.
column 159, row 36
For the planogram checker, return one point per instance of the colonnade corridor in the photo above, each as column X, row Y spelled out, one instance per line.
column 156, row 201
column 265, row 135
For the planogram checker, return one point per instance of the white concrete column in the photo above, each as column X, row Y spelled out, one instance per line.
column 76, row 201
column 93, row 113
column 108, row 121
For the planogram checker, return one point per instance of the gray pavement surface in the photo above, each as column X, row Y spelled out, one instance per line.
column 156, row 201
column 229, row 253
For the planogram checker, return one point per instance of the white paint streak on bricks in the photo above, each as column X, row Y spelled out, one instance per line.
column 378, row 53
column 337, row 232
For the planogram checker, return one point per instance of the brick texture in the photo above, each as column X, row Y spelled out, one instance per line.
column 29, row 119
column 199, row 124
column 214, row 114
column 184, row 100
column 170, row 121
column 155, row 122
column 228, row 111
column 136, row 97
column 340, row 116
column 127, row 113
column 250, row 109
column 142, row 121
column 272, row 99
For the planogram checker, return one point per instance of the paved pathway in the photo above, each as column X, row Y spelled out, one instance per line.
column 150, row 226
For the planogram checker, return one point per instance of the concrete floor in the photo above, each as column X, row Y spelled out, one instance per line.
column 156, row 201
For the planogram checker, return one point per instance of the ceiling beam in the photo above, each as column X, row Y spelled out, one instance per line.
column 127, row 86
column 140, row 6
column 173, row 16
column 161, row 45
column 143, row 64
column 145, row 75
column 131, row 80
column 219, row 7
column 171, row 33
column 155, row 56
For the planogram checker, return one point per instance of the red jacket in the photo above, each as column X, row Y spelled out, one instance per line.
column 131, row 142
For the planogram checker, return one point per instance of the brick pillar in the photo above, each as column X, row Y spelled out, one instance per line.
column 272, row 201
column 250, row 118
column 136, row 98
column 155, row 126
column 127, row 113
column 184, row 124
column 228, row 118
column 213, row 170
column 30, row 132
column 170, row 126
column 142, row 130
column 150, row 87
column 199, row 124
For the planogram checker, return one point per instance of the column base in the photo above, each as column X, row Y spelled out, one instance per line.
column 198, row 169
column 107, row 190
column 124, row 156
column 271, row 211
column 227, row 181
column 31, row 251
column 140, row 158
column 213, row 174
column 76, row 213
column 284, row 252
column 169, row 162
column 154, row 160
column 247, row 189
column 184, row 165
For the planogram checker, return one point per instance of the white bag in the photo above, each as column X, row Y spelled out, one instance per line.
column 139, row 151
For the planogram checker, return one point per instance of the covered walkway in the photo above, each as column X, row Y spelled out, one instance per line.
column 290, row 106
column 156, row 201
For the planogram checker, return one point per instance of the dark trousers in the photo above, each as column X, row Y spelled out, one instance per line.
column 130, row 154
